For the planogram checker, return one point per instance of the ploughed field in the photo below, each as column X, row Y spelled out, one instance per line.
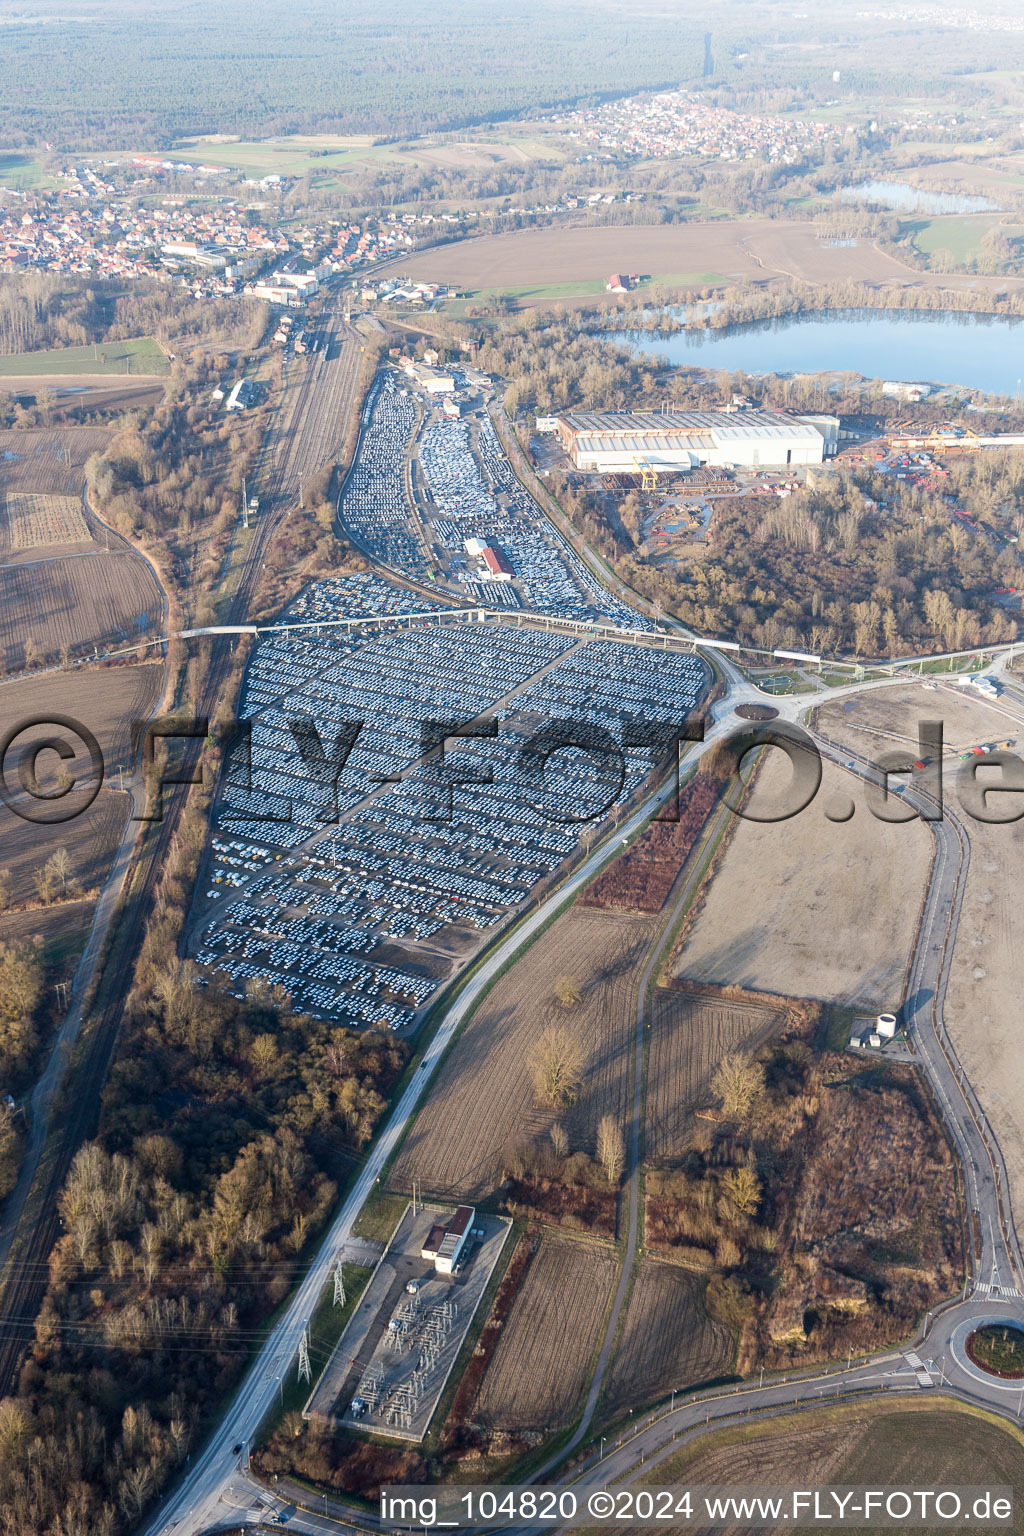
column 46, row 459
column 483, row 1101
column 105, row 701
column 65, row 585
column 982, row 1007
column 808, row 907
column 51, row 605
column 694, row 253
column 667, row 1340
column 691, row 1031
column 543, row 1359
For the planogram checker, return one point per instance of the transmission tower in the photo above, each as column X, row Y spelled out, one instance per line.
column 305, row 1369
column 339, row 1285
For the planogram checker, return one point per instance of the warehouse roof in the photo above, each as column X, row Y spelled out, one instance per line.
column 665, row 428
column 640, row 442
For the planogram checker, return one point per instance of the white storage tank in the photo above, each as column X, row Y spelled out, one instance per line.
column 885, row 1025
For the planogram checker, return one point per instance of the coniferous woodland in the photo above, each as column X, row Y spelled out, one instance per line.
column 123, row 77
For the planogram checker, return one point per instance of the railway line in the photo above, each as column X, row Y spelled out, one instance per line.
column 307, row 430
column 218, row 1491
column 308, row 427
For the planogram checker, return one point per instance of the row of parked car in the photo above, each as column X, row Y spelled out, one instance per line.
column 314, row 903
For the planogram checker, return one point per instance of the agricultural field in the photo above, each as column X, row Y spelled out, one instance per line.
column 88, row 391
column 46, row 459
column 37, row 519
column 139, row 355
column 682, row 255
column 871, row 1444
column 958, row 233
column 323, row 154
column 106, row 702
column 691, row 1030
column 982, row 1002
column 667, row 1340
column 976, row 172
column 483, row 1100
column 542, row 1362
column 982, row 1008
column 61, row 931
column 22, row 173
column 808, row 907
column 98, row 598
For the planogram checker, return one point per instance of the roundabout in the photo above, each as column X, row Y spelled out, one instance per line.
column 978, row 1340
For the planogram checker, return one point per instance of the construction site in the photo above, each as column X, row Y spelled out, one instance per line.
column 390, row 1366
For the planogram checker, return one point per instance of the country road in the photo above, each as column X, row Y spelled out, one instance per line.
column 215, row 1491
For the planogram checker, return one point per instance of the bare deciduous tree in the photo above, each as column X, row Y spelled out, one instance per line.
column 738, row 1084
column 556, row 1062
column 611, row 1148
column 567, row 991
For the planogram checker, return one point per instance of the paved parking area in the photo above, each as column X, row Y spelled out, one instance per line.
column 361, row 882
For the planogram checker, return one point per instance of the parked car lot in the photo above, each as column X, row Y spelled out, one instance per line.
column 360, row 885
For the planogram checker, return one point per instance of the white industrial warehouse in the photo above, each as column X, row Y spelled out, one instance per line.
column 617, row 442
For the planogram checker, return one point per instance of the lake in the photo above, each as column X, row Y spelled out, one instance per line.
column 977, row 351
column 908, row 199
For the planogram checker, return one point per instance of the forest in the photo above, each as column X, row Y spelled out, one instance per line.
column 851, row 565
column 378, row 68
column 226, row 1128
column 40, row 310
column 856, row 562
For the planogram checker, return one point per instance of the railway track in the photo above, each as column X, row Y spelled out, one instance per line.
column 309, row 427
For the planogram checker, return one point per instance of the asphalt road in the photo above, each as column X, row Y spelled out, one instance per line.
column 935, row 1359
column 215, row 1493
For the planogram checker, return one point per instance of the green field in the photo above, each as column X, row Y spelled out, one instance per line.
column 689, row 279
column 324, row 153
column 142, row 355
column 958, row 233
column 582, row 288
column 281, row 157
column 21, row 172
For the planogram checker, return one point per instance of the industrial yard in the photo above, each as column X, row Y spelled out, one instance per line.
column 621, row 442
column 390, row 1366
column 433, row 497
